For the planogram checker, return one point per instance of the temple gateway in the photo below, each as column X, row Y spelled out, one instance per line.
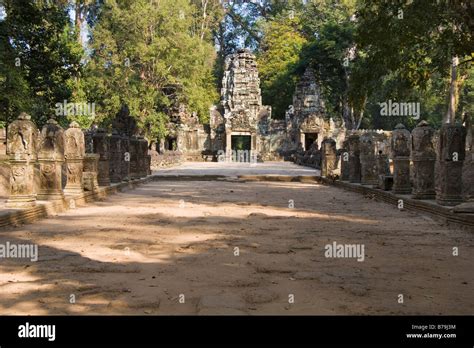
column 242, row 123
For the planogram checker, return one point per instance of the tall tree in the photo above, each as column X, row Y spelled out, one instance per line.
column 418, row 40
column 143, row 49
column 39, row 57
column 278, row 60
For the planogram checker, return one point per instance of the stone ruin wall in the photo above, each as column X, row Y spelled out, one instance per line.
column 4, row 165
column 53, row 162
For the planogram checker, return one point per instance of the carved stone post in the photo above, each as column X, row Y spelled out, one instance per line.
column 142, row 157
column 134, row 153
column 424, row 157
column 401, row 160
column 354, row 159
column 51, row 159
column 74, row 153
column 383, row 171
column 89, row 141
column 101, row 147
column 125, row 161
column 148, row 164
column 115, row 151
column 22, row 151
column 452, row 152
column 90, row 173
column 368, row 161
column 3, row 141
column 328, row 151
column 468, row 179
column 344, row 160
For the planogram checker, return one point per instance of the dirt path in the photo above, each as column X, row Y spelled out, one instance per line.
column 237, row 248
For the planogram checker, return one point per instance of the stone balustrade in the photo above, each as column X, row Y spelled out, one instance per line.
column 35, row 160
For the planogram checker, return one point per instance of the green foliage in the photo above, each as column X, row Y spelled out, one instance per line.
column 278, row 60
column 413, row 43
column 139, row 49
column 38, row 55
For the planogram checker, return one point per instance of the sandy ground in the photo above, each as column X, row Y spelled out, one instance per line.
column 216, row 247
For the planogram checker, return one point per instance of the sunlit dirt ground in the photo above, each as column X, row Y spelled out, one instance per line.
column 217, row 247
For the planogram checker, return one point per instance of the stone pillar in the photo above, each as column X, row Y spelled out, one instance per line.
column 328, row 160
column 125, row 163
column 74, row 153
column 90, row 171
column 383, row 172
column 228, row 146
column 468, row 179
column 344, row 161
column 115, row 155
column 354, row 159
column 22, row 151
column 148, row 164
column 452, row 152
column 401, row 160
column 424, row 157
column 89, row 141
column 3, row 141
column 134, row 153
column 142, row 157
column 51, row 159
column 368, row 163
column 101, row 147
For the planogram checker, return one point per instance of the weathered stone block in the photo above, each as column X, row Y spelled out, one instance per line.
column 368, row 163
column 328, row 160
column 101, row 147
column 115, row 157
column 134, row 160
column 354, row 159
column 125, row 163
column 401, row 138
column 452, row 153
column 51, row 159
column 385, row 182
column 74, row 155
column 22, row 145
column 90, row 170
column 423, row 157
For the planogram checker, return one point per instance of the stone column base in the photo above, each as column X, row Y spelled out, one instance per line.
column 464, row 208
column 401, row 175
column 50, row 181
column 450, row 188
column 424, row 195
column 44, row 195
column 21, row 201
column 74, row 177
column 89, row 180
column 103, row 176
column 73, row 190
column 423, row 178
column 354, row 170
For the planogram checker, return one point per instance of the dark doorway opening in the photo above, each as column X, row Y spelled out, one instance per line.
column 171, row 144
column 240, row 142
column 309, row 139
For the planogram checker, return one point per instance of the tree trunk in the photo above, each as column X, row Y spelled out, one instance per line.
column 204, row 18
column 453, row 93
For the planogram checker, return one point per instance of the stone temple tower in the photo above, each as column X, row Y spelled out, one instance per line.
column 241, row 102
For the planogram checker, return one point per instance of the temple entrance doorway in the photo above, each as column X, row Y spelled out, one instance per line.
column 241, row 142
column 309, row 139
